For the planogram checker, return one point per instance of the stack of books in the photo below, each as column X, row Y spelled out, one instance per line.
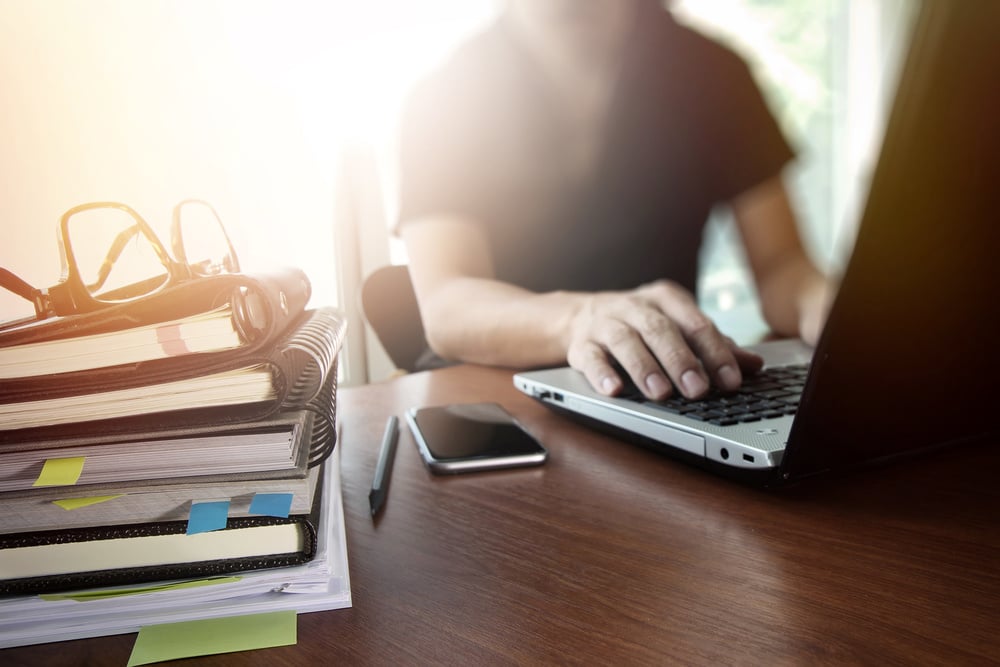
column 173, row 470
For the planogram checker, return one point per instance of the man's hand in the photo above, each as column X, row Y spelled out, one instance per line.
column 660, row 338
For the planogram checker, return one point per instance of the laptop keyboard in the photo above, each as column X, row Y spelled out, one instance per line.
column 771, row 392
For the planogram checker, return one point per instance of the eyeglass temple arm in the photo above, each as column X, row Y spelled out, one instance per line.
column 114, row 252
column 18, row 286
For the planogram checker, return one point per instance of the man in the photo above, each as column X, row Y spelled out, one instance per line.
column 556, row 176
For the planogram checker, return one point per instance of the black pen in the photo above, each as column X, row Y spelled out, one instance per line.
column 380, row 485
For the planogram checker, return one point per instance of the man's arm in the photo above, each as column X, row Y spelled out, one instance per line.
column 655, row 332
column 794, row 295
column 469, row 315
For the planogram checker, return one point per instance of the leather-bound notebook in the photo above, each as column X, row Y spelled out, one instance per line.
column 73, row 559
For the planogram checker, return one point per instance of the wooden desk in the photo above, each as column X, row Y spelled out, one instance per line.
column 611, row 554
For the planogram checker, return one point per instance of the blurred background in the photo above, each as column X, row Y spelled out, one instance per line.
column 282, row 115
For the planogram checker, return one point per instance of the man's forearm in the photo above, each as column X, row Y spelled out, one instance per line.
column 790, row 292
column 485, row 321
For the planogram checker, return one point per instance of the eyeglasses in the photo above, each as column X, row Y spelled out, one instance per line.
column 111, row 255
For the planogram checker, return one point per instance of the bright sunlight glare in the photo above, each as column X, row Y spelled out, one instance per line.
column 247, row 104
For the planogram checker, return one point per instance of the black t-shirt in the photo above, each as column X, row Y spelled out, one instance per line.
column 687, row 128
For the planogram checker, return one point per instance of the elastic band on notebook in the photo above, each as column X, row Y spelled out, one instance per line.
column 169, row 338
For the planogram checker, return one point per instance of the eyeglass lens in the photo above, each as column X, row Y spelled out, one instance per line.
column 115, row 257
column 203, row 244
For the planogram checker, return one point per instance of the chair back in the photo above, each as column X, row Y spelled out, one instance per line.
column 390, row 306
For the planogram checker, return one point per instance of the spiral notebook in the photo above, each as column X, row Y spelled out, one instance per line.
column 298, row 371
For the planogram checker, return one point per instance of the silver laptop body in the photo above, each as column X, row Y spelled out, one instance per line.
column 752, row 446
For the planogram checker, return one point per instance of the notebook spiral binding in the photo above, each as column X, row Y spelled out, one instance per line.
column 311, row 354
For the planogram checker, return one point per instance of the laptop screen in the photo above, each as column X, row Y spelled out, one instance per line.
column 909, row 358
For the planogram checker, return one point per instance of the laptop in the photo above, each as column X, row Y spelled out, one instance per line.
column 909, row 359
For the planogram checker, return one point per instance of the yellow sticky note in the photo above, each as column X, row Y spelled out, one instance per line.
column 61, row 472
column 77, row 503
column 212, row 636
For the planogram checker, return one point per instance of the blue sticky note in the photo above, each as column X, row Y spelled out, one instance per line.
column 207, row 516
column 271, row 504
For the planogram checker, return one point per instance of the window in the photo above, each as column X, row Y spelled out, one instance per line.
column 827, row 68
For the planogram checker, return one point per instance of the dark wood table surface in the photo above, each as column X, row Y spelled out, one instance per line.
column 612, row 554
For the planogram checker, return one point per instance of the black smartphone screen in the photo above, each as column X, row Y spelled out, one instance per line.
column 473, row 431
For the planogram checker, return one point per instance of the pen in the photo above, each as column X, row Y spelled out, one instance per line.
column 380, row 485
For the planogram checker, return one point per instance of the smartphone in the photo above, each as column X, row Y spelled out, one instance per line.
column 467, row 437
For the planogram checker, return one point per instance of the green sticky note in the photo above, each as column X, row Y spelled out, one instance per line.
column 188, row 639
column 77, row 503
column 104, row 593
column 60, row 472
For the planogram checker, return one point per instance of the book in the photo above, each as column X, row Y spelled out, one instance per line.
column 279, row 443
column 295, row 372
column 127, row 554
column 322, row 583
column 211, row 331
column 169, row 499
column 252, row 384
column 115, row 504
column 200, row 316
